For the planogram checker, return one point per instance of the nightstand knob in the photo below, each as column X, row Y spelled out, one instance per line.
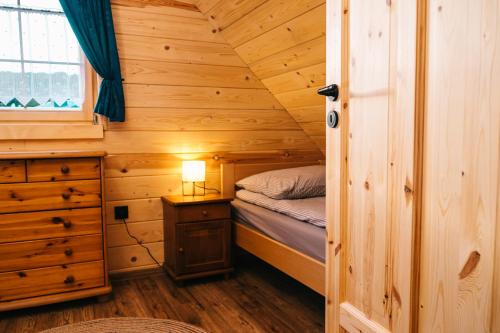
column 204, row 213
column 181, row 250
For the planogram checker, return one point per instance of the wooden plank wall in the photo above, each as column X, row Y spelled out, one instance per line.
column 461, row 164
column 188, row 95
column 283, row 42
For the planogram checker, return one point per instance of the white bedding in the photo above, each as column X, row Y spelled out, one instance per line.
column 310, row 210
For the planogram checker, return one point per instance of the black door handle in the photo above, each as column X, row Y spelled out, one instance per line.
column 330, row 91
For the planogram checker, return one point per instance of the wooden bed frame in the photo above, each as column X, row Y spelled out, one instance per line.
column 301, row 267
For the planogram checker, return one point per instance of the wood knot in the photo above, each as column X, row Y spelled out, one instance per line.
column 396, row 296
column 166, row 47
column 133, row 259
column 338, row 248
column 367, row 185
column 470, row 265
column 124, row 170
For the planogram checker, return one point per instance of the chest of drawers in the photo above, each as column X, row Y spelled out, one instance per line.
column 52, row 239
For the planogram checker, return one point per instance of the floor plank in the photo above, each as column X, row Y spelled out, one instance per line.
column 258, row 298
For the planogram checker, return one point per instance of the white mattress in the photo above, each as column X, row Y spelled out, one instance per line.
column 310, row 210
column 303, row 237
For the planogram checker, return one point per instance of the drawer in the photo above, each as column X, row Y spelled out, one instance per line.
column 51, row 280
column 25, row 197
column 50, row 224
column 50, row 252
column 46, row 170
column 12, row 171
column 203, row 212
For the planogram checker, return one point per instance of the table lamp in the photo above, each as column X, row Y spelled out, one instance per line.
column 193, row 172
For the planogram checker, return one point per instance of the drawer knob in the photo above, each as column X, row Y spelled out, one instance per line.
column 204, row 213
column 64, row 169
column 66, row 196
column 68, row 252
column 181, row 250
column 69, row 280
column 67, row 224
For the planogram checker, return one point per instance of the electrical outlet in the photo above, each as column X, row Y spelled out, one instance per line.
column 121, row 212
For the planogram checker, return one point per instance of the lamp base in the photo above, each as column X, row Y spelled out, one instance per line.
column 193, row 189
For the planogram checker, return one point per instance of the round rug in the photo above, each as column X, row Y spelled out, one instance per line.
column 127, row 325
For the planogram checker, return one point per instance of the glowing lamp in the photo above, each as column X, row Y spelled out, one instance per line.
column 193, row 172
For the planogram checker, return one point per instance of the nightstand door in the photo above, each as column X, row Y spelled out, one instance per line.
column 203, row 246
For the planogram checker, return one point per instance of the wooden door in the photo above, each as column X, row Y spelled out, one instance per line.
column 203, row 246
column 413, row 184
column 459, row 289
column 370, row 157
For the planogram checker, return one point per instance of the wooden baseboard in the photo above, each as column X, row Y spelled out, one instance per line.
column 135, row 272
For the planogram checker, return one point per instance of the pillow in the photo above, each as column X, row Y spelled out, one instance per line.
column 294, row 183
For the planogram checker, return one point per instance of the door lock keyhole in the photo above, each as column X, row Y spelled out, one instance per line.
column 332, row 119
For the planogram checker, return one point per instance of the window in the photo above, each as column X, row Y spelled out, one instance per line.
column 42, row 67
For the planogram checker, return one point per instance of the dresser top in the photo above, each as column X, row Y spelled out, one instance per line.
column 184, row 200
column 49, row 154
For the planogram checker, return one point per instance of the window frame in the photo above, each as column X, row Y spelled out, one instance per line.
column 83, row 114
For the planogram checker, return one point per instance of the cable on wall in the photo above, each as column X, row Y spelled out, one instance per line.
column 140, row 243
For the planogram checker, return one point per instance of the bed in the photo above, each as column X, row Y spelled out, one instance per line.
column 262, row 232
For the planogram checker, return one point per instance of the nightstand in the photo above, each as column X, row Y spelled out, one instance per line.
column 197, row 236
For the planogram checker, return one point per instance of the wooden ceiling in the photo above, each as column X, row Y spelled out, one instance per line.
column 283, row 43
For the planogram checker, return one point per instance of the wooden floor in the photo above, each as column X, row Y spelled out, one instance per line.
column 257, row 298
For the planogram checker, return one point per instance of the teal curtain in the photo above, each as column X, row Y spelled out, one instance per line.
column 92, row 23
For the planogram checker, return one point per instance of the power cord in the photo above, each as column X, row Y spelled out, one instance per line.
column 140, row 243
column 208, row 188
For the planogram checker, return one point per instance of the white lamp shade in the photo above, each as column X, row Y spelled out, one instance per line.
column 193, row 171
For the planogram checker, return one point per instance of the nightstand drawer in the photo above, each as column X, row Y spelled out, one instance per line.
column 51, row 280
column 203, row 212
column 50, row 252
column 12, row 171
column 57, row 169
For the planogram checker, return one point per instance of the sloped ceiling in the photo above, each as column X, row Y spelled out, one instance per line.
column 283, row 43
